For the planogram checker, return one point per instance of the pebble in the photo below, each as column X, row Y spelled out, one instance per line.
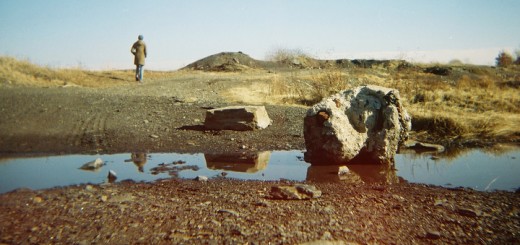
column 469, row 212
column 326, row 236
column 154, row 136
column 432, row 234
column 229, row 211
column 92, row 165
column 112, row 175
column 343, row 170
column 201, row 178
column 294, row 192
column 104, row 198
column 37, row 199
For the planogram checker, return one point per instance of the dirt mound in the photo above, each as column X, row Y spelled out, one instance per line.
column 238, row 61
column 227, row 61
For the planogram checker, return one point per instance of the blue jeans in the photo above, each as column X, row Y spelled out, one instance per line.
column 139, row 72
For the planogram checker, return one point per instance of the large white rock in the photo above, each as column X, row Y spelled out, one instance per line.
column 365, row 123
column 240, row 118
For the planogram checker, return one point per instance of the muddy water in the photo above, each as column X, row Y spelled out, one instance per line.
column 475, row 169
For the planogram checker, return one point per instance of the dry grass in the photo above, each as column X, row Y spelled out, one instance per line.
column 470, row 106
column 24, row 73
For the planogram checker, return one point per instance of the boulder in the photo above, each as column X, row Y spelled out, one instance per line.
column 367, row 123
column 239, row 118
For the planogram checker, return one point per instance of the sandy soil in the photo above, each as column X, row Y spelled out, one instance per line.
column 167, row 116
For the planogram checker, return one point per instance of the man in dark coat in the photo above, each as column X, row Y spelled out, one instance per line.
column 139, row 52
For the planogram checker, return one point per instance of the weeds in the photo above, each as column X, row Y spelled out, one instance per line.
column 470, row 103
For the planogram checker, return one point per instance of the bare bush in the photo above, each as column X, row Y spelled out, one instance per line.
column 504, row 59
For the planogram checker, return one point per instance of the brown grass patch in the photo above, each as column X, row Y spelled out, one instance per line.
column 24, row 73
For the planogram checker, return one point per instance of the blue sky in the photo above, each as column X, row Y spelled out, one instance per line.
column 98, row 34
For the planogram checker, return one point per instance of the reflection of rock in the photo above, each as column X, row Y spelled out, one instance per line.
column 92, row 165
column 139, row 160
column 295, row 192
column 240, row 118
column 367, row 121
column 421, row 147
column 358, row 173
column 238, row 162
column 173, row 168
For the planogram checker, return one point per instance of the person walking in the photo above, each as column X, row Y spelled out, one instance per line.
column 139, row 52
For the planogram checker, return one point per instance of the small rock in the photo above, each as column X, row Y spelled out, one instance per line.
column 440, row 202
column 153, row 136
column 469, row 212
column 93, row 165
column 112, row 176
column 262, row 204
column 398, row 198
column 201, row 178
column 89, row 188
column 432, row 234
column 295, row 192
column 229, row 211
column 37, row 199
column 104, row 198
column 126, row 197
column 326, row 236
column 343, row 170
column 146, row 121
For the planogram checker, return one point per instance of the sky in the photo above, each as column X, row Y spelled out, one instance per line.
column 98, row 34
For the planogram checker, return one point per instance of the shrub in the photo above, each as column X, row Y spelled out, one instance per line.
column 504, row 59
column 287, row 55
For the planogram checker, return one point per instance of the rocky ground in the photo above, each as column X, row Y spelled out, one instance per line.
column 167, row 116
column 242, row 212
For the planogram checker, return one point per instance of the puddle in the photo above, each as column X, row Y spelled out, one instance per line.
column 474, row 169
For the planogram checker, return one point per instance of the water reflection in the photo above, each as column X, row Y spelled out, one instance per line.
column 356, row 174
column 139, row 159
column 238, row 162
column 476, row 169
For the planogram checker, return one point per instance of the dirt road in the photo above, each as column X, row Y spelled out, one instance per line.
column 163, row 116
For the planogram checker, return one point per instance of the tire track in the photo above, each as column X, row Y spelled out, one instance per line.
column 90, row 132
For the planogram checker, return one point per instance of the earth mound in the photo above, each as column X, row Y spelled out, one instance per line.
column 227, row 61
column 238, row 61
